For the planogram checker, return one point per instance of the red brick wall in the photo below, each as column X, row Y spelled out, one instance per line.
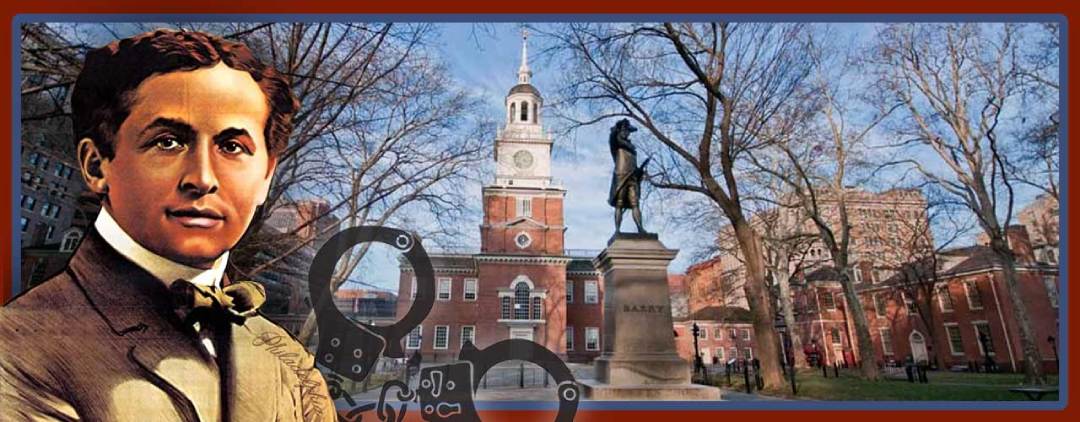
column 684, row 340
column 486, row 310
column 1004, row 331
column 581, row 315
column 547, row 237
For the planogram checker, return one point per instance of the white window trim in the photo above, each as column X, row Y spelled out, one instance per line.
column 941, row 301
column 569, row 291
column 703, row 334
column 705, row 356
column 570, row 338
column 435, row 337
column 473, row 339
column 967, row 295
column 745, row 334
column 823, row 305
column 524, row 206
column 909, row 303
column 880, row 313
column 449, row 289
column 720, row 354
column 948, row 337
column 597, row 331
column 412, row 289
column 749, row 352
column 465, row 289
column 596, row 288
column 975, row 328
column 881, row 334
column 420, row 338
column 1052, row 293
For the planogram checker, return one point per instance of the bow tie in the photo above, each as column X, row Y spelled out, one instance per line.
column 235, row 303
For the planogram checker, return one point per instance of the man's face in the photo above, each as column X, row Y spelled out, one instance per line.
column 191, row 163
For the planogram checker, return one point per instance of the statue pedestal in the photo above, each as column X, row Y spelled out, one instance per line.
column 639, row 360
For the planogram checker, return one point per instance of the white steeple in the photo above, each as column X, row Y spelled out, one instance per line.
column 522, row 148
column 523, row 72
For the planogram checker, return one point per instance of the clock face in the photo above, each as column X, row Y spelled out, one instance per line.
column 523, row 159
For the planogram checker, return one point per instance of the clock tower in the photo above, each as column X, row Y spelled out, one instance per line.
column 523, row 207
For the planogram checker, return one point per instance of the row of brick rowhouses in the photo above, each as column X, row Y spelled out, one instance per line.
column 949, row 309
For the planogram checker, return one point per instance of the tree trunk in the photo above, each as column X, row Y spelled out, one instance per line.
column 867, row 361
column 783, row 279
column 757, row 297
column 307, row 331
column 1032, row 359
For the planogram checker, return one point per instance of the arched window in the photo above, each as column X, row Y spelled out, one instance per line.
column 71, row 240
column 536, row 118
column 524, row 111
column 521, row 301
column 513, row 110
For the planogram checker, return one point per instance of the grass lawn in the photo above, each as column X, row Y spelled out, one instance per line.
column 943, row 386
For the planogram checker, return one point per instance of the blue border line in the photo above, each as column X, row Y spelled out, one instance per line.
column 16, row 160
column 542, row 18
column 1063, row 214
column 538, row 18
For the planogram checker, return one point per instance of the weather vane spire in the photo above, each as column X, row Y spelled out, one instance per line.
column 524, row 73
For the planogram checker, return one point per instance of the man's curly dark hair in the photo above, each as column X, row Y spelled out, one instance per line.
column 105, row 89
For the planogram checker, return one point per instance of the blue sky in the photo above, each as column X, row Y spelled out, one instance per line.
column 484, row 61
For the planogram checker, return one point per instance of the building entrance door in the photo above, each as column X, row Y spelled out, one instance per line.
column 918, row 347
column 521, row 333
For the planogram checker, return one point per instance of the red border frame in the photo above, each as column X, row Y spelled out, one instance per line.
column 478, row 9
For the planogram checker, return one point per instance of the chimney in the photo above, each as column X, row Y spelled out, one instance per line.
column 1020, row 243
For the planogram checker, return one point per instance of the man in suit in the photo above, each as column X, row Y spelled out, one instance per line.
column 178, row 133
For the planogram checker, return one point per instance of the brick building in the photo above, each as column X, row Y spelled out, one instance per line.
column 967, row 317
column 54, row 213
column 883, row 226
column 523, row 282
column 950, row 309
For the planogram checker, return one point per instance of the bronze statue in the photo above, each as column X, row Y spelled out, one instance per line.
column 626, row 178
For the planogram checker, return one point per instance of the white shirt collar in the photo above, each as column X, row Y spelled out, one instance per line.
column 160, row 267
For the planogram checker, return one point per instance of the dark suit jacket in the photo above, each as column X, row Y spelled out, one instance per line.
column 101, row 342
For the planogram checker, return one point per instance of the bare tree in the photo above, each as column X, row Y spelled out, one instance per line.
column 786, row 247
column 917, row 267
column 383, row 134
column 703, row 92
column 817, row 160
column 49, row 63
column 1036, row 162
column 958, row 83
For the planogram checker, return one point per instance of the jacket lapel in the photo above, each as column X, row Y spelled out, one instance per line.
column 252, row 378
column 138, row 309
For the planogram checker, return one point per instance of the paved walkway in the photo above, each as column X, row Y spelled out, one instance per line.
column 732, row 395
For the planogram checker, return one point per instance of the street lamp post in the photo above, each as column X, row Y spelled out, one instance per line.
column 699, row 366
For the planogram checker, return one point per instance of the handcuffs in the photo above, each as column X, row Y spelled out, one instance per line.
column 445, row 392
